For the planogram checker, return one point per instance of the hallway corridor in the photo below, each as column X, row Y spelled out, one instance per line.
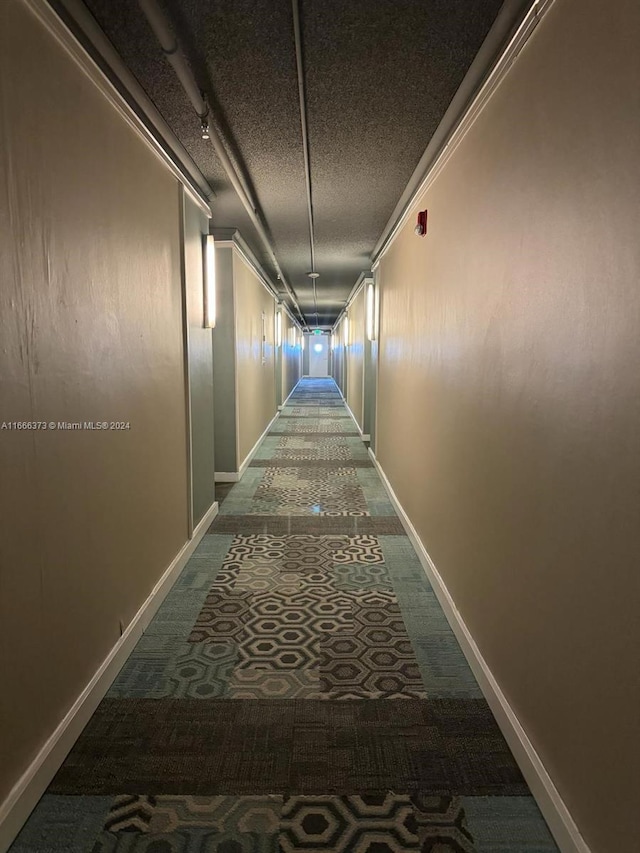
column 299, row 688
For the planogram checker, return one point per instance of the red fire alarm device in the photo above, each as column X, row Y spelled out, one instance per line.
column 421, row 225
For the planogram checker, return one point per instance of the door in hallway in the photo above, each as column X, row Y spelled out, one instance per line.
column 319, row 355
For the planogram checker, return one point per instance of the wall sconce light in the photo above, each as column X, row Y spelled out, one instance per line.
column 302, row 342
column 278, row 329
column 371, row 312
column 209, row 282
column 345, row 330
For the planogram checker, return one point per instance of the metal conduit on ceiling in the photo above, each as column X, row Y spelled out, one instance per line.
column 297, row 33
column 173, row 52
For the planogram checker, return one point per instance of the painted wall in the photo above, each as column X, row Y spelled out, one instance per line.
column 305, row 355
column 256, row 383
column 91, row 331
column 509, row 397
column 200, row 347
column 355, row 357
column 338, row 367
column 370, row 380
column 224, row 365
column 291, row 355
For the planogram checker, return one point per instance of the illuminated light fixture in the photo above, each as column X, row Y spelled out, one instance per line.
column 345, row 331
column 371, row 313
column 302, row 342
column 318, row 347
column 209, row 282
column 313, row 274
column 205, row 129
column 278, row 329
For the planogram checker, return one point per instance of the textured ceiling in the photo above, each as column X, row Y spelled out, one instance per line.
column 379, row 76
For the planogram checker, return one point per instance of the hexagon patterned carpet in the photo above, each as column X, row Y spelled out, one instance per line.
column 299, row 689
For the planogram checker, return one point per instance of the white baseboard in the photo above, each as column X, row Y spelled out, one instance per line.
column 555, row 812
column 290, row 393
column 226, row 477
column 363, row 436
column 25, row 794
column 236, row 476
column 253, row 450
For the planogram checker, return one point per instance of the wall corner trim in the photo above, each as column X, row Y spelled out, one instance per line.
column 553, row 808
column 226, row 477
column 362, row 435
column 233, row 239
column 33, row 783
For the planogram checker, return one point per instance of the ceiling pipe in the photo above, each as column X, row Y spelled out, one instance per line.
column 88, row 34
column 171, row 48
column 163, row 31
column 297, row 33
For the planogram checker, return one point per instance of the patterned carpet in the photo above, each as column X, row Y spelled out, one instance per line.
column 299, row 689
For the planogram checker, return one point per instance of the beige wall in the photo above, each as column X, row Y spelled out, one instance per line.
column 224, row 365
column 355, row 357
column 509, row 398
column 91, row 330
column 338, row 370
column 195, row 225
column 256, row 381
column 291, row 355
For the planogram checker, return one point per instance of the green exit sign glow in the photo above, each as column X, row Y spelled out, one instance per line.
column 317, row 331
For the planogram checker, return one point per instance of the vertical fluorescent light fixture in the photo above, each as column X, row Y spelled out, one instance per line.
column 371, row 313
column 209, row 282
column 278, row 328
column 345, row 328
column 302, row 341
